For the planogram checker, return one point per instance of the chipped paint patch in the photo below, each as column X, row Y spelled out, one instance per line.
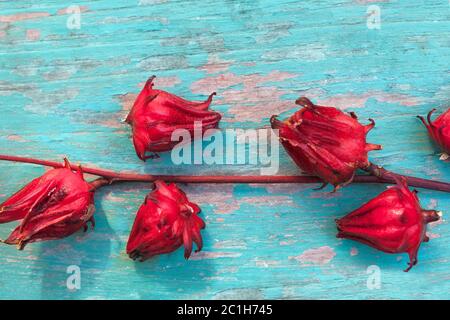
column 273, row 31
column 231, row 269
column 30, row 68
column 64, row 251
column 318, row 256
column 111, row 197
column 344, row 101
column 216, row 278
column 249, row 103
column 269, row 201
column 211, row 84
column 354, row 252
column 226, row 207
column 433, row 235
column 221, row 197
column 60, row 73
column 226, row 80
column 240, row 294
column 157, row 63
column 43, row 102
column 64, row 11
column 115, row 120
column 259, row 111
column 313, row 93
column 287, row 242
column 397, row 98
column 284, row 188
column 150, row 2
column 229, row 244
column 266, row 263
column 202, row 255
column 23, row 16
column 15, row 138
column 33, row 34
column 8, row 88
column 231, row 205
column 4, row 26
column 215, row 65
column 319, row 194
column 309, row 52
column 127, row 100
column 163, row 82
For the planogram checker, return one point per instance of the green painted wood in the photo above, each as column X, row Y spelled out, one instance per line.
column 64, row 91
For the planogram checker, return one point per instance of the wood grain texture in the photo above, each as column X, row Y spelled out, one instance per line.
column 64, row 92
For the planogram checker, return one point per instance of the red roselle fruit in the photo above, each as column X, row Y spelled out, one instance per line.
column 156, row 114
column 52, row 206
column 392, row 222
column 439, row 129
column 165, row 221
column 325, row 142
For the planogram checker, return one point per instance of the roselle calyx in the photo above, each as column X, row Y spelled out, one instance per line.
column 156, row 114
column 392, row 222
column 53, row 206
column 439, row 130
column 325, row 142
column 164, row 222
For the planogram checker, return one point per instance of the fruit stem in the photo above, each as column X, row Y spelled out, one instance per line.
column 378, row 175
column 390, row 177
column 100, row 182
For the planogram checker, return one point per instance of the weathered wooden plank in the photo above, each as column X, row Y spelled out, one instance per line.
column 64, row 91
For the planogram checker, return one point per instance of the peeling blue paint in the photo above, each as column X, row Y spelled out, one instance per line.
column 59, row 96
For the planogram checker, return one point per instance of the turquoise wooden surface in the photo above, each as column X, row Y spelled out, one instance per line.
column 64, row 91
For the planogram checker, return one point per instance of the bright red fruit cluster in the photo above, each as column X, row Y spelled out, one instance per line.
column 156, row 114
column 322, row 141
column 330, row 144
column 392, row 222
column 165, row 221
column 325, row 142
column 52, row 206
column 439, row 129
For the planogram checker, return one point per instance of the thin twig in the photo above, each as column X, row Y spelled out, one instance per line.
column 376, row 176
